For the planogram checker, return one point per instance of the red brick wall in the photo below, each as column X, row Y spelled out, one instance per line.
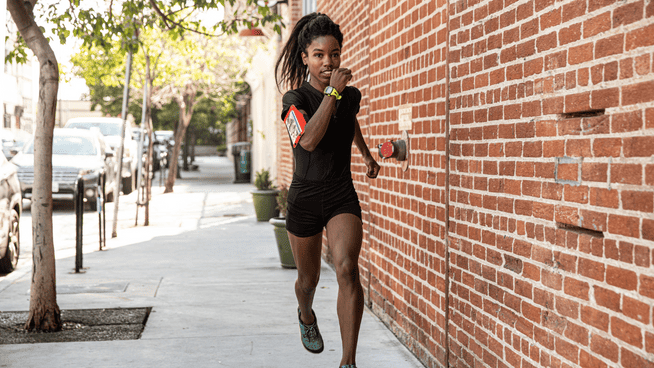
column 522, row 233
column 549, row 128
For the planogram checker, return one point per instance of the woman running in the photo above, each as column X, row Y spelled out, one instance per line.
column 321, row 194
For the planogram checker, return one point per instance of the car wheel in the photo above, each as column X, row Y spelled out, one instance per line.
column 9, row 262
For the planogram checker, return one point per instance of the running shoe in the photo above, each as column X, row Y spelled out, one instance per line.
column 311, row 338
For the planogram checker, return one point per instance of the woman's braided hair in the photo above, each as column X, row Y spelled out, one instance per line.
column 307, row 29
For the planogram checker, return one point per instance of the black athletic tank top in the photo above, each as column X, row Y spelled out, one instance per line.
column 331, row 158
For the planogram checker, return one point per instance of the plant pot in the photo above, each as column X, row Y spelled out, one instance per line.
column 283, row 244
column 265, row 204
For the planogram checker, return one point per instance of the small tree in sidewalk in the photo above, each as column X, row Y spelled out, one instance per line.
column 209, row 68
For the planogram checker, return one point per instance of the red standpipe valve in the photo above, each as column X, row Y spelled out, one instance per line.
column 393, row 149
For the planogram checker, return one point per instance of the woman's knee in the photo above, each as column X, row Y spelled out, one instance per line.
column 347, row 271
column 308, row 283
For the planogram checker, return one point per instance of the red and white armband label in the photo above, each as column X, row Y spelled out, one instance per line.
column 295, row 125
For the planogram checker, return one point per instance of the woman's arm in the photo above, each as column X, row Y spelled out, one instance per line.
column 373, row 166
column 317, row 126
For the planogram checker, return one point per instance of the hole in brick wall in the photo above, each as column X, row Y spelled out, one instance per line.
column 582, row 114
column 580, row 230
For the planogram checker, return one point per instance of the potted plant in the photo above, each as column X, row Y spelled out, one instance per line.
column 264, row 197
column 279, row 223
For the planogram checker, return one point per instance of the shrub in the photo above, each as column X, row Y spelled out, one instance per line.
column 262, row 180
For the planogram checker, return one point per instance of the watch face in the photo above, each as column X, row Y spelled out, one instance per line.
column 329, row 90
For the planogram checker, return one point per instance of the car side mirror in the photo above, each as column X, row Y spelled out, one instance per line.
column 109, row 154
column 13, row 152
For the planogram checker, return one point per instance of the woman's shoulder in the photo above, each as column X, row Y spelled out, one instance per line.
column 352, row 93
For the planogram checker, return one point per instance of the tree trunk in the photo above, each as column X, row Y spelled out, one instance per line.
column 186, row 105
column 44, row 312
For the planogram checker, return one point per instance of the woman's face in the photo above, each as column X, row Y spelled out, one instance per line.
column 322, row 56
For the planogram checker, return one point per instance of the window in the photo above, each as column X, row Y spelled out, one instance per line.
column 308, row 6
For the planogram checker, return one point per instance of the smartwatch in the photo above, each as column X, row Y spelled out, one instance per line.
column 331, row 91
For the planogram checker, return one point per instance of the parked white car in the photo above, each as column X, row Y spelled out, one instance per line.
column 111, row 129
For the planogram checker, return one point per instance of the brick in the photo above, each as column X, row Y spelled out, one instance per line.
column 607, row 147
column 587, row 360
column 576, row 288
column 607, row 298
column 556, row 60
column 578, row 194
column 567, row 172
column 596, row 125
column 554, row 148
column 630, row 359
column 574, row 10
column 551, row 280
column 621, row 278
column 593, row 220
column 646, row 286
column 554, row 191
column 626, row 332
column 577, row 102
column 567, row 350
column 595, row 318
column 637, row 201
column 546, row 42
column 568, row 308
column 596, row 172
column 578, row 148
column 636, row 309
column 597, row 25
column 605, row 98
column 638, row 146
column 566, row 215
column 550, row 19
column 640, row 37
column 613, row 45
column 626, row 174
column 532, row 67
column 628, row 14
column 648, row 229
column 638, row 93
column 592, row 269
column 577, row 333
column 642, row 64
column 642, row 256
column 624, row 225
column 571, row 34
column 604, row 347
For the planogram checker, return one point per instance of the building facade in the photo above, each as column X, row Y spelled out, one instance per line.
column 521, row 233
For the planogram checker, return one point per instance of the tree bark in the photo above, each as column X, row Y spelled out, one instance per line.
column 186, row 105
column 44, row 312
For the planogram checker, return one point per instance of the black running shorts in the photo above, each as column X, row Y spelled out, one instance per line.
column 311, row 204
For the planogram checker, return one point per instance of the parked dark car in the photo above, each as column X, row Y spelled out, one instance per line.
column 75, row 153
column 10, row 213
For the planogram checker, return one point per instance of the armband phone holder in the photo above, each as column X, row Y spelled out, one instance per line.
column 295, row 125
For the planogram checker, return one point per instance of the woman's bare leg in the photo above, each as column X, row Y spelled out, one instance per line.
column 345, row 234
column 306, row 252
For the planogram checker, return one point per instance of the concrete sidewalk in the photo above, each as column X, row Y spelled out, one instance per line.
column 211, row 272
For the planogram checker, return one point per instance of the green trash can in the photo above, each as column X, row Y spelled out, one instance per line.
column 242, row 162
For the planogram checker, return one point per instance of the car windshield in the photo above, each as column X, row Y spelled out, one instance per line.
column 105, row 128
column 69, row 145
